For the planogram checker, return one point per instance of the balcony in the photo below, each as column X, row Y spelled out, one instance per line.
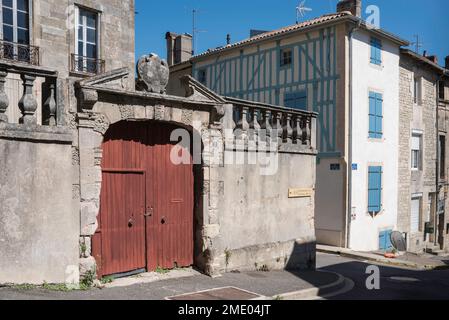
column 19, row 52
column 85, row 65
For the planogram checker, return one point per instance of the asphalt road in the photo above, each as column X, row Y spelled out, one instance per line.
column 395, row 283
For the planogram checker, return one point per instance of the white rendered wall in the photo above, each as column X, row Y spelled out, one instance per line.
column 384, row 79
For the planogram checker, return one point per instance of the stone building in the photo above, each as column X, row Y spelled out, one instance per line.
column 100, row 177
column 347, row 72
column 418, row 184
column 441, row 223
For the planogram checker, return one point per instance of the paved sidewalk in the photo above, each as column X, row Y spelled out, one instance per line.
column 424, row 262
column 267, row 285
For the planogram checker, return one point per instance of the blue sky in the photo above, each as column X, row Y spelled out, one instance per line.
column 215, row 19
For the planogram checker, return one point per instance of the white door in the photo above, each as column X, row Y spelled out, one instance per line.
column 415, row 215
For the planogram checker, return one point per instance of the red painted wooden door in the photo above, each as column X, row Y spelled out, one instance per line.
column 123, row 222
column 147, row 202
column 170, row 201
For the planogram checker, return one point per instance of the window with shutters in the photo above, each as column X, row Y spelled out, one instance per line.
column 374, row 189
column 375, row 115
column 376, row 51
column 296, row 100
column 416, row 152
column 286, row 57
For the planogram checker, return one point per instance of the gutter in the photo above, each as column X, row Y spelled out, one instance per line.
column 349, row 175
column 438, row 162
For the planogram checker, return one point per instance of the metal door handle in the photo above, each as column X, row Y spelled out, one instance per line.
column 130, row 223
column 149, row 212
column 163, row 220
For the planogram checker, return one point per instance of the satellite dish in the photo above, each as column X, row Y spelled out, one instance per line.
column 398, row 241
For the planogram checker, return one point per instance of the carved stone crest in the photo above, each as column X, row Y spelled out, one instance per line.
column 153, row 74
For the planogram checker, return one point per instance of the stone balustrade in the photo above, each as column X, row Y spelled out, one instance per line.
column 28, row 103
column 274, row 125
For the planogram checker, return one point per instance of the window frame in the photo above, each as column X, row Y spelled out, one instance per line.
column 416, row 166
column 78, row 9
column 202, row 72
column 296, row 96
column 282, row 59
column 376, row 51
column 15, row 27
column 376, row 133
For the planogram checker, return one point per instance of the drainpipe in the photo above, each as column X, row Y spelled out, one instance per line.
column 349, row 213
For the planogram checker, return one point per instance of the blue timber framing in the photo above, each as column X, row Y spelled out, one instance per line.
column 258, row 76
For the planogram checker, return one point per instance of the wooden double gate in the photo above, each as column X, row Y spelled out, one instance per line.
column 147, row 202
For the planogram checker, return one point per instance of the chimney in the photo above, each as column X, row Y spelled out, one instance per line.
column 170, row 37
column 446, row 62
column 179, row 48
column 228, row 39
column 354, row 6
column 434, row 59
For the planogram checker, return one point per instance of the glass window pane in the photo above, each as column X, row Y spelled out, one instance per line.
column 22, row 20
column 80, row 33
column 91, row 36
column 91, row 19
column 7, row 16
column 91, row 51
column 7, row 3
column 23, row 36
column 8, row 34
column 80, row 48
column 22, row 5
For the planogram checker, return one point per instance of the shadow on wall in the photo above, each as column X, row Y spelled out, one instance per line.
column 303, row 257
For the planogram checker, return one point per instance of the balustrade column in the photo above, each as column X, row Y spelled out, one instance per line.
column 277, row 126
column 243, row 125
column 297, row 132
column 288, row 130
column 50, row 107
column 4, row 101
column 28, row 103
column 254, row 125
column 266, row 126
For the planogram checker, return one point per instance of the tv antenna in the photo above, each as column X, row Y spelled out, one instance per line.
column 301, row 10
column 417, row 43
column 195, row 31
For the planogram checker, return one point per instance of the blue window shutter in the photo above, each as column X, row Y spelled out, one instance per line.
column 379, row 116
column 372, row 115
column 375, row 189
column 376, row 51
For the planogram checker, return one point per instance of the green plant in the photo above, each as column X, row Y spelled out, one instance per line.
column 228, row 255
column 161, row 270
column 264, row 268
column 25, row 286
column 56, row 287
column 83, row 248
column 87, row 280
column 278, row 298
column 106, row 280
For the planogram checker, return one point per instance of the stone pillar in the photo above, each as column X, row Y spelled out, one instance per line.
column 4, row 101
column 28, row 103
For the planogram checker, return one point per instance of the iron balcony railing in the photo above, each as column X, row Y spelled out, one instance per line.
column 19, row 52
column 87, row 65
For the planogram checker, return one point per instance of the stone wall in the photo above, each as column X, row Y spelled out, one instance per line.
column 421, row 117
column 38, row 229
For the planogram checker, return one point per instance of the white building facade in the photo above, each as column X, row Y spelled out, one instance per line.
column 373, row 141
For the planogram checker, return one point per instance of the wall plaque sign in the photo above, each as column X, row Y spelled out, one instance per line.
column 300, row 193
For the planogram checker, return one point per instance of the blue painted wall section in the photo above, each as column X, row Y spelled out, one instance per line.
column 258, row 76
